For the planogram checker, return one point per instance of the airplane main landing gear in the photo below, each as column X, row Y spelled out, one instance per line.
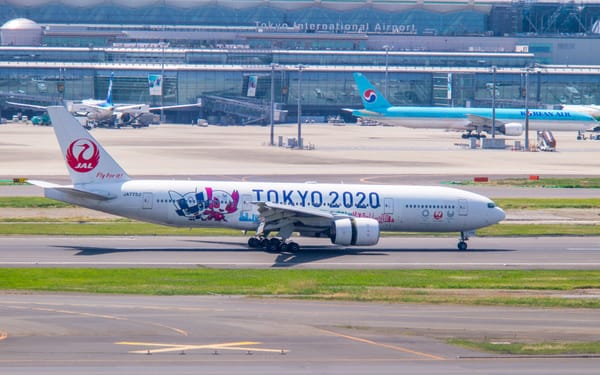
column 462, row 244
column 273, row 245
column 472, row 134
column 254, row 242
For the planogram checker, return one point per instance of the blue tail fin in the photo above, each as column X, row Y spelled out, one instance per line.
column 109, row 93
column 371, row 98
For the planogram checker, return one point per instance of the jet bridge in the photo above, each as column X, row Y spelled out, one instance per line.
column 247, row 111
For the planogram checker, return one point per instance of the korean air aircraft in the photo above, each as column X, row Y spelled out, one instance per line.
column 346, row 214
column 474, row 121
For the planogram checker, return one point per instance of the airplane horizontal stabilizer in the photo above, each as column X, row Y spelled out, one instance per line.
column 75, row 193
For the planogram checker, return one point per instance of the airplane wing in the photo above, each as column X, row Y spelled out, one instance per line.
column 361, row 112
column 101, row 196
column 180, row 106
column 481, row 121
column 131, row 108
column 28, row 106
column 277, row 217
column 269, row 210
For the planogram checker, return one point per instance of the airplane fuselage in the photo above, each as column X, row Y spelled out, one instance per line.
column 233, row 204
column 458, row 118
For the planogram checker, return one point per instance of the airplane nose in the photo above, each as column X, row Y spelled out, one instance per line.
column 499, row 214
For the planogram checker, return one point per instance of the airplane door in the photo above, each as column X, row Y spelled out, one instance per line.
column 388, row 213
column 147, row 201
column 463, row 207
column 246, row 207
column 388, row 206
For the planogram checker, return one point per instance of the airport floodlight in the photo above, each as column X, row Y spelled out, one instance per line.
column 272, row 114
column 494, row 68
column 300, row 68
column 387, row 52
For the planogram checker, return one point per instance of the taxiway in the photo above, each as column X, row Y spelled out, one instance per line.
column 75, row 334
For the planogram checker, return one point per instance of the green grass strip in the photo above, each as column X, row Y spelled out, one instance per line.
column 431, row 286
column 31, row 202
column 528, row 230
column 542, row 348
column 547, row 203
column 546, row 182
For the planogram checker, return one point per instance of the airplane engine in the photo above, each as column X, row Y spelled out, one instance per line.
column 355, row 231
column 513, row 129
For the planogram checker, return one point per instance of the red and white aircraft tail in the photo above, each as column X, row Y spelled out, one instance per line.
column 86, row 159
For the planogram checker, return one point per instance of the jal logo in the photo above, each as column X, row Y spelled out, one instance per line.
column 438, row 215
column 369, row 95
column 83, row 155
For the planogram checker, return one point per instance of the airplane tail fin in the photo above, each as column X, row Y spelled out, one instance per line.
column 371, row 98
column 109, row 99
column 86, row 159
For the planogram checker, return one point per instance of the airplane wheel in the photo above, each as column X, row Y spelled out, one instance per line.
column 253, row 242
column 462, row 245
column 273, row 245
column 293, row 247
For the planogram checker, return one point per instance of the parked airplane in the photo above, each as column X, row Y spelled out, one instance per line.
column 474, row 121
column 347, row 214
column 106, row 113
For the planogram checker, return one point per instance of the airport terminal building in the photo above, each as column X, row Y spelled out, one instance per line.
column 234, row 56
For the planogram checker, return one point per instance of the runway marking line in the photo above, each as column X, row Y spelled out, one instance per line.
column 166, row 348
column 394, row 347
column 101, row 316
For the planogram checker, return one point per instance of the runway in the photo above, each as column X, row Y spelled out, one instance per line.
column 100, row 334
column 232, row 252
column 75, row 334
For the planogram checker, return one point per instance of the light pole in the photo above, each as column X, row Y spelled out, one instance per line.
column 387, row 51
column 271, row 119
column 494, row 101
column 300, row 67
column 162, row 82
column 527, row 108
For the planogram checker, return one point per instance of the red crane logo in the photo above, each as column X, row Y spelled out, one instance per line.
column 83, row 155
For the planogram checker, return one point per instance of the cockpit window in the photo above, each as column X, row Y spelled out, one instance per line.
column 491, row 205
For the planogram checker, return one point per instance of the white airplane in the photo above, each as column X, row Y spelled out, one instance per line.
column 509, row 121
column 105, row 112
column 347, row 214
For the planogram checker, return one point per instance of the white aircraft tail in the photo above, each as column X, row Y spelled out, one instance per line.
column 86, row 159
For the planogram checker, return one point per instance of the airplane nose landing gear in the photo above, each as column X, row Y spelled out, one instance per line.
column 462, row 244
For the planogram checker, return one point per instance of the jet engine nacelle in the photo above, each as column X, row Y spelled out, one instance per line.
column 514, row 129
column 355, row 231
